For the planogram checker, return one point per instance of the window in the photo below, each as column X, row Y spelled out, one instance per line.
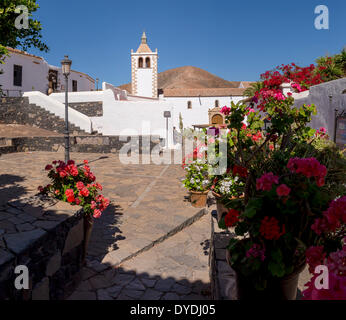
column 189, row 105
column 147, row 62
column 216, row 103
column 17, row 75
column 140, row 63
column 74, row 86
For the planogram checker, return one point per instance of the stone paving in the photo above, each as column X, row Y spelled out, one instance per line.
column 173, row 270
column 147, row 203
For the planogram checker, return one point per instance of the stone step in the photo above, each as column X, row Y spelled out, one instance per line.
column 12, row 104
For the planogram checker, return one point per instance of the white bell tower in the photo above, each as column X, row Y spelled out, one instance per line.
column 144, row 70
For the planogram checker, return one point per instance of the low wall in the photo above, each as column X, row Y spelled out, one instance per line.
column 222, row 276
column 46, row 236
column 86, row 144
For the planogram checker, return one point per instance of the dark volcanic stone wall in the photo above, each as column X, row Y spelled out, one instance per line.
column 90, row 109
column 46, row 236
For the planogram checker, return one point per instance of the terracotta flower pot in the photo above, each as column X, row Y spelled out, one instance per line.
column 221, row 209
column 198, row 199
column 284, row 288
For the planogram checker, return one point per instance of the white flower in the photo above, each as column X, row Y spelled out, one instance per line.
column 192, row 181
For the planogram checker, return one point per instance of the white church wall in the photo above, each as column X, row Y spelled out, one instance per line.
column 198, row 114
column 132, row 117
column 144, row 82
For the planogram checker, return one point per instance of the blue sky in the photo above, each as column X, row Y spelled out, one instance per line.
column 234, row 39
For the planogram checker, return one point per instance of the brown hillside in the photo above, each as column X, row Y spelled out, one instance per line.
column 189, row 77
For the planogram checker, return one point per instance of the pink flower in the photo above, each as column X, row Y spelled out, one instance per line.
column 78, row 201
column 69, row 192
column 283, row 191
column 266, row 181
column 314, row 257
column 297, row 87
column 332, row 218
column 309, row 167
column 256, row 251
column 97, row 213
column 85, row 192
column 225, row 110
column 80, row 185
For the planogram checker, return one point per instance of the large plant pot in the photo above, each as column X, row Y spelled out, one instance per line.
column 221, row 209
column 284, row 288
column 198, row 199
column 88, row 227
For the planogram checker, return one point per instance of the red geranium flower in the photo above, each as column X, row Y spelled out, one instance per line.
column 231, row 218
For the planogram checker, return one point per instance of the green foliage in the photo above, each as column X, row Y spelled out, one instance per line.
column 197, row 177
column 254, row 87
column 332, row 67
column 12, row 37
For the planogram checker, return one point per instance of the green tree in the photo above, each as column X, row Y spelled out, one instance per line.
column 14, row 37
column 23, row 38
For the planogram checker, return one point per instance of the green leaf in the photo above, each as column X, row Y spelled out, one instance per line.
column 250, row 212
column 276, row 269
column 277, row 254
column 222, row 224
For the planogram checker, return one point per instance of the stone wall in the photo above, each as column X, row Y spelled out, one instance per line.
column 20, row 111
column 90, row 109
column 87, row 144
column 222, row 276
column 319, row 95
column 46, row 236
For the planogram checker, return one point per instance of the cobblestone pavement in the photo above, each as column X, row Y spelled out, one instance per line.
column 172, row 270
column 147, row 202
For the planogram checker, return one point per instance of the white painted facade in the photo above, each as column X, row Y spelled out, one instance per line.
column 35, row 72
column 198, row 114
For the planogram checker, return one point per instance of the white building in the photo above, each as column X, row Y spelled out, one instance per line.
column 194, row 104
column 23, row 72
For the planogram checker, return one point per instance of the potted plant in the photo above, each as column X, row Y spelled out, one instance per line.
column 76, row 185
column 328, row 252
column 281, row 195
column 227, row 187
column 274, row 230
column 197, row 182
